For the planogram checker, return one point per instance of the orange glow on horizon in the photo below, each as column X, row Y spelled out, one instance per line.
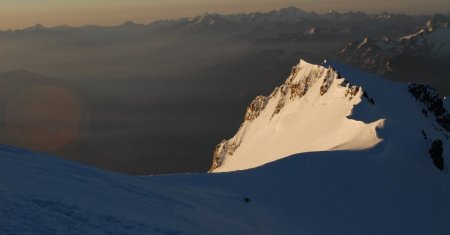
column 111, row 12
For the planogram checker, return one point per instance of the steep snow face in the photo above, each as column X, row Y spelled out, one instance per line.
column 332, row 107
column 307, row 113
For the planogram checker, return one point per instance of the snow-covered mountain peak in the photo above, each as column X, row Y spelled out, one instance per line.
column 280, row 120
column 334, row 107
column 301, row 79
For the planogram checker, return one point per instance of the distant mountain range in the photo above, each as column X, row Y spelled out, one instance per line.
column 188, row 73
column 151, row 46
column 276, row 23
column 332, row 149
column 422, row 57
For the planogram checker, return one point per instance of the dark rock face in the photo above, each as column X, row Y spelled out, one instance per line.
column 424, row 135
column 327, row 83
column 369, row 99
column 255, row 108
column 435, row 152
column 432, row 102
column 220, row 151
column 297, row 89
column 368, row 55
column 352, row 91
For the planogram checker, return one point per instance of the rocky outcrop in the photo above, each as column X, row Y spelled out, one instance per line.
column 221, row 151
column 436, row 152
column 351, row 92
column 327, row 82
column 432, row 102
column 370, row 55
column 368, row 98
column 295, row 89
column 255, row 108
column 282, row 91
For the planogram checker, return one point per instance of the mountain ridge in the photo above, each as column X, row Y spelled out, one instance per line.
column 351, row 192
column 351, row 108
column 289, row 13
column 413, row 57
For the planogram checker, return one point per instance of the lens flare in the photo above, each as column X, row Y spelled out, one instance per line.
column 44, row 118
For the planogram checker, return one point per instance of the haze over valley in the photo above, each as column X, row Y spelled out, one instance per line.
column 224, row 117
column 141, row 90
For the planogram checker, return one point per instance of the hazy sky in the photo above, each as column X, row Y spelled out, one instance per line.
column 23, row 13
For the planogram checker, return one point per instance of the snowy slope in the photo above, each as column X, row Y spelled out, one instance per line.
column 386, row 184
column 358, row 192
column 333, row 107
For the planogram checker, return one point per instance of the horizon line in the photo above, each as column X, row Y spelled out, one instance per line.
column 137, row 22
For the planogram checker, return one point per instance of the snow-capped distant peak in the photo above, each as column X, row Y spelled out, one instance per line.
column 332, row 107
column 384, row 56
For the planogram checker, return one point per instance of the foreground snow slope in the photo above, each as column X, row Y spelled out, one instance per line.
column 334, row 107
column 377, row 175
column 340, row 192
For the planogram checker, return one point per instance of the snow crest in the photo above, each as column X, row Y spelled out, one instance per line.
column 335, row 107
column 306, row 113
